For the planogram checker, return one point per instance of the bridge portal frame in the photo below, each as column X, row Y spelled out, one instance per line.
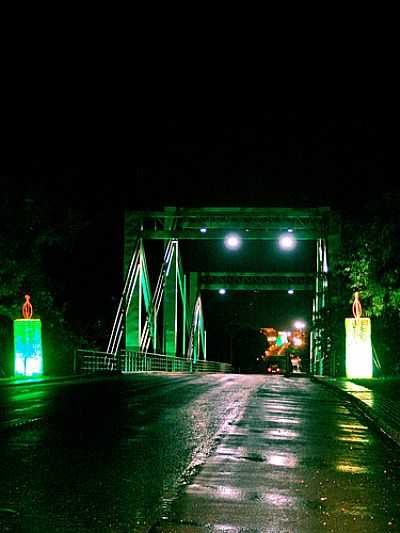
column 173, row 224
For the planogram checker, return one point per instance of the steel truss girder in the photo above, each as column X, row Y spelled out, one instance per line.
column 176, row 224
column 136, row 333
column 266, row 234
column 141, row 329
column 253, row 223
column 265, row 281
column 150, row 329
column 128, row 290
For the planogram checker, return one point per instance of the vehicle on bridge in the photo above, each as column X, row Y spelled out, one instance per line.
column 275, row 365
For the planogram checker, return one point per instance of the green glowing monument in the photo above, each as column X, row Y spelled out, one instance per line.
column 358, row 343
column 28, row 343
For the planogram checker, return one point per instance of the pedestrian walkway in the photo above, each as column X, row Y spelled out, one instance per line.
column 301, row 459
column 382, row 411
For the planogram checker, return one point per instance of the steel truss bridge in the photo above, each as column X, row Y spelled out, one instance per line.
column 167, row 318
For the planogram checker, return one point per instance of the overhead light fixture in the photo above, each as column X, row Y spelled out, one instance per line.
column 222, row 291
column 287, row 241
column 232, row 241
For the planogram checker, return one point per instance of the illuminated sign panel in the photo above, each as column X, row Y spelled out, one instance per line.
column 28, row 347
column 282, row 338
column 358, row 348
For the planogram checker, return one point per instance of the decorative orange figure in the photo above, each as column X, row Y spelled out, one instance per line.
column 357, row 309
column 27, row 307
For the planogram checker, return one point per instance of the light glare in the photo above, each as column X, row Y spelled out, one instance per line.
column 232, row 241
column 287, row 242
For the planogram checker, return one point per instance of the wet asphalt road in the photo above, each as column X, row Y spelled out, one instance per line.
column 107, row 456
column 298, row 460
column 231, row 453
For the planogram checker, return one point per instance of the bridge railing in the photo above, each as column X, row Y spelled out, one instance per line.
column 89, row 361
column 127, row 362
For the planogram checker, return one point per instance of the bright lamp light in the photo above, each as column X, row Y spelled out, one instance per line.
column 287, row 242
column 232, row 241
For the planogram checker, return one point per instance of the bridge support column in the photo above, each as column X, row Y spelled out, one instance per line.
column 194, row 291
column 184, row 312
column 170, row 308
column 319, row 341
column 133, row 317
column 197, row 339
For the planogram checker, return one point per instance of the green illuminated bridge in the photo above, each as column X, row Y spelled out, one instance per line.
column 163, row 313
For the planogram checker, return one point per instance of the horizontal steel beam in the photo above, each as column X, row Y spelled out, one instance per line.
column 252, row 223
column 218, row 234
column 197, row 212
column 267, row 281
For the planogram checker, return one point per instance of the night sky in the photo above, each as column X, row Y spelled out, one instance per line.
column 198, row 158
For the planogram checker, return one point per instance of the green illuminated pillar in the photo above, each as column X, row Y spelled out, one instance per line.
column 358, row 348
column 170, row 309
column 184, row 312
column 28, row 347
column 133, row 321
column 194, row 291
column 203, row 336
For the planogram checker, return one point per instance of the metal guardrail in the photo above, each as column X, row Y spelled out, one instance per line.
column 89, row 361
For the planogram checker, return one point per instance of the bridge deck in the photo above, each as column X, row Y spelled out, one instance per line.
column 300, row 459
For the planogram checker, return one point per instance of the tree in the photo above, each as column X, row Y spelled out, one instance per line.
column 369, row 265
column 34, row 231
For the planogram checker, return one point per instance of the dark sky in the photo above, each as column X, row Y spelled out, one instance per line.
column 199, row 158
column 206, row 157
